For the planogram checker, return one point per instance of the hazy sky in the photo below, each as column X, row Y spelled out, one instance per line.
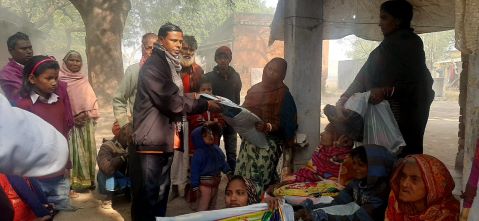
column 271, row 3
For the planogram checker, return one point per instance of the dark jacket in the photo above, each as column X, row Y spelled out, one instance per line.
column 229, row 87
column 159, row 105
column 208, row 160
column 111, row 158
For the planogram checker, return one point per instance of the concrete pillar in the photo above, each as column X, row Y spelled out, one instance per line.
column 471, row 126
column 303, row 51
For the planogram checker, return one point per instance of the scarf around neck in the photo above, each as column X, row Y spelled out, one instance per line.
column 175, row 67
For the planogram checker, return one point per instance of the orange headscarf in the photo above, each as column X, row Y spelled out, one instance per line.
column 441, row 204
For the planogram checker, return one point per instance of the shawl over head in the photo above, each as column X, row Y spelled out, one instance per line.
column 441, row 204
column 250, row 189
column 82, row 96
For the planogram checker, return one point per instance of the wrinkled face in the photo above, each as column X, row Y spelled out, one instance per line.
column 172, row 42
column 147, row 46
column 273, row 73
column 22, row 52
column 46, row 83
column 208, row 137
column 411, row 184
column 236, row 194
column 223, row 62
column 187, row 56
column 360, row 169
column 206, row 89
column 388, row 23
column 74, row 62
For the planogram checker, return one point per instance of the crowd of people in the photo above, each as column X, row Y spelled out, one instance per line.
column 167, row 136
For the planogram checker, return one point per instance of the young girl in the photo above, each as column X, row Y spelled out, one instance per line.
column 240, row 192
column 207, row 164
column 84, row 107
column 45, row 96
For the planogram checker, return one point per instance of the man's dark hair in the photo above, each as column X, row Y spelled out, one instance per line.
column 190, row 41
column 168, row 27
column 399, row 9
column 359, row 153
column 148, row 36
column 204, row 80
column 12, row 40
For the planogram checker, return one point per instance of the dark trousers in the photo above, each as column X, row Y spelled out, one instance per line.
column 229, row 138
column 150, row 187
column 412, row 126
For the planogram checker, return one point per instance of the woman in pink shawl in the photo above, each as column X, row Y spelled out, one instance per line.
column 84, row 107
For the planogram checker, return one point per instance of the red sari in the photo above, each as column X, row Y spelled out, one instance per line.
column 441, row 204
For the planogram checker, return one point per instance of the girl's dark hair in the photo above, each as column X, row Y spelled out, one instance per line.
column 29, row 69
column 399, row 9
column 359, row 153
column 205, row 130
column 168, row 27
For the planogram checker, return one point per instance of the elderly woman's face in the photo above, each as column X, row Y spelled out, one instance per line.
column 388, row 23
column 411, row 184
column 74, row 62
column 236, row 194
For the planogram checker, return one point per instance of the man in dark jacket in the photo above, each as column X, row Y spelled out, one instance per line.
column 159, row 106
column 226, row 82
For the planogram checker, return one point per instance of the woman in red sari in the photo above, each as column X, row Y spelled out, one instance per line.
column 421, row 189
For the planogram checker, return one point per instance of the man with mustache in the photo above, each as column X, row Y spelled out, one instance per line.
column 11, row 76
column 191, row 74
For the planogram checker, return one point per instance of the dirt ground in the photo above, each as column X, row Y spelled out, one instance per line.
column 440, row 141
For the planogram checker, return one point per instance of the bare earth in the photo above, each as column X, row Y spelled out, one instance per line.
column 440, row 141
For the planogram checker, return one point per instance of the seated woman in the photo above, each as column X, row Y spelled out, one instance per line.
column 421, row 189
column 326, row 160
column 365, row 197
column 240, row 192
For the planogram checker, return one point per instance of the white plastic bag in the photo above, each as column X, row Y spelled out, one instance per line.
column 380, row 126
column 242, row 120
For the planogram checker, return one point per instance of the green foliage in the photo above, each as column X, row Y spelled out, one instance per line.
column 436, row 46
column 195, row 17
column 64, row 28
column 58, row 20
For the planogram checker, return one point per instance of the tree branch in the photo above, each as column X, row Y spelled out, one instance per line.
column 48, row 16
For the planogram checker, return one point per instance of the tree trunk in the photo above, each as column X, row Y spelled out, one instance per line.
column 104, row 22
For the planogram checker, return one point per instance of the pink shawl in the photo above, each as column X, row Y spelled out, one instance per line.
column 82, row 96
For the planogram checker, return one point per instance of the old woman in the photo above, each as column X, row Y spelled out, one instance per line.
column 84, row 106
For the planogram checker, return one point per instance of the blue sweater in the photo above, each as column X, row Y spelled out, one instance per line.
column 208, row 160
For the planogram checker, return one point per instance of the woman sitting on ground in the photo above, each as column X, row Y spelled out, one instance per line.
column 240, row 192
column 365, row 197
column 421, row 189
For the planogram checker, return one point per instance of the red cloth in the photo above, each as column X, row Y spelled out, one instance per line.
column 324, row 164
column 191, row 77
column 441, row 204
column 22, row 211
